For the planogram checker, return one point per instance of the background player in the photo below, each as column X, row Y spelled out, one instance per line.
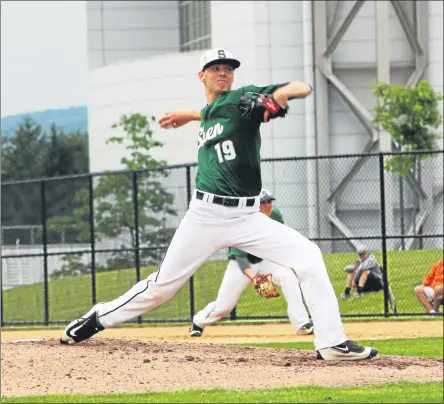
column 365, row 275
column 243, row 267
column 224, row 212
column 431, row 289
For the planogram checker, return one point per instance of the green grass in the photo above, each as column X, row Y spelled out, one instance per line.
column 419, row 347
column 386, row 393
column 227, row 322
column 71, row 297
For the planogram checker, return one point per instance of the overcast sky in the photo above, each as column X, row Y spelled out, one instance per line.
column 43, row 55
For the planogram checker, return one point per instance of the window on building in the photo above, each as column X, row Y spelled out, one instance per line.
column 195, row 25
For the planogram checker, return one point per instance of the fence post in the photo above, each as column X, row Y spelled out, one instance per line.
column 136, row 231
column 188, row 173
column 2, row 322
column 401, row 207
column 420, row 232
column 92, row 240
column 45, row 250
column 383, row 232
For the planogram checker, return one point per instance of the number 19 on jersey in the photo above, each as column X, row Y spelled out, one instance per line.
column 225, row 151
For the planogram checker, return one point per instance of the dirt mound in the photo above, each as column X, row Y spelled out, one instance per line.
column 123, row 366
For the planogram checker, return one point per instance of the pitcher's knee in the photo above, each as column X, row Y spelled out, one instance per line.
column 313, row 263
column 314, row 252
column 160, row 297
column 160, row 292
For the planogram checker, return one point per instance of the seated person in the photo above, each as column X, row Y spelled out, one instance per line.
column 365, row 275
column 430, row 291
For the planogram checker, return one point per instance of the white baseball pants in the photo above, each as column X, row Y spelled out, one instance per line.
column 235, row 282
column 207, row 228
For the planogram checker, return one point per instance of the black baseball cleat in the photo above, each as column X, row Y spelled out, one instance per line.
column 306, row 329
column 81, row 329
column 347, row 351
column 196, row 331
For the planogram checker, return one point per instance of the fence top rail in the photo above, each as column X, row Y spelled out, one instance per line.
column 189, row 165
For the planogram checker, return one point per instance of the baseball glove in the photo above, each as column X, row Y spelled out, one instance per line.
column 252, row 103
column 265, row 287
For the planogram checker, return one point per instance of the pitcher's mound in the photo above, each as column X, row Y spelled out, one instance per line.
column 105, row 366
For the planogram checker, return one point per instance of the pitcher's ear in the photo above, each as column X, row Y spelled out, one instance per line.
column 200, row 75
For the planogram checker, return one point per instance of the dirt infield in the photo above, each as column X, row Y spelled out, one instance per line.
column 165, row 359
column 272, row 332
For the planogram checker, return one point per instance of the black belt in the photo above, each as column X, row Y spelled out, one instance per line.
column 226, row 200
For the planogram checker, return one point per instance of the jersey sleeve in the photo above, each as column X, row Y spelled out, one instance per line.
column 235, row 252
column 264, row 90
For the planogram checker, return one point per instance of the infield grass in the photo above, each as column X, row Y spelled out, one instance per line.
column 69, row 298
column 227, row 321
column 419, row 347
column 383, row 393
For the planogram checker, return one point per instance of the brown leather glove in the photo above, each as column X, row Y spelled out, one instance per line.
column 264, row 286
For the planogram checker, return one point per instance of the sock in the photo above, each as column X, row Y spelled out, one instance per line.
column 347, row 291
column 359, row 290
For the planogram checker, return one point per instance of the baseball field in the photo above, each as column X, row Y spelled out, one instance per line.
column 231, row 363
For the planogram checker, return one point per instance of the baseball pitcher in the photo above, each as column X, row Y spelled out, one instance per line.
column 224, row 211
column 244, row 267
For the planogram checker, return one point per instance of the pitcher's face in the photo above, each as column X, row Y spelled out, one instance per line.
column 217, row 78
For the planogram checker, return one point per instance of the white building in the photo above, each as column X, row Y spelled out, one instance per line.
column 144, row 57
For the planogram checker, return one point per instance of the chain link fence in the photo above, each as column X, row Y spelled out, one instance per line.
column 70, row 242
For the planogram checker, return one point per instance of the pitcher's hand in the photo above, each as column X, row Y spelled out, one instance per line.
column 178, row 118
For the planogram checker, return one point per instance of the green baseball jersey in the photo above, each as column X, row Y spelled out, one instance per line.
column 229, row 146
column 235, row 252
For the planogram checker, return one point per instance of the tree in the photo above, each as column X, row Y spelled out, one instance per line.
column 23, row 157
column 411, row 117
column 32, row 154
column 114, row 216
column 74, row 226
column 23, row 154
column 67, row 154
column 114, row 197
column 74, row 266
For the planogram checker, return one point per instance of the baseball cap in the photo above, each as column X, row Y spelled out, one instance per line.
column 218, row 55
column 266, row 196
column 362, row 249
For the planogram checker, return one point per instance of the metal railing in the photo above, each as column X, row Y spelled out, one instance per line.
column 95, row 235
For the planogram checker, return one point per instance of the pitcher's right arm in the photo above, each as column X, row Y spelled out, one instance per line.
column 176, row 119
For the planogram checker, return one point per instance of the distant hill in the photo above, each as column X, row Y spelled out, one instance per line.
column 68, row 119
